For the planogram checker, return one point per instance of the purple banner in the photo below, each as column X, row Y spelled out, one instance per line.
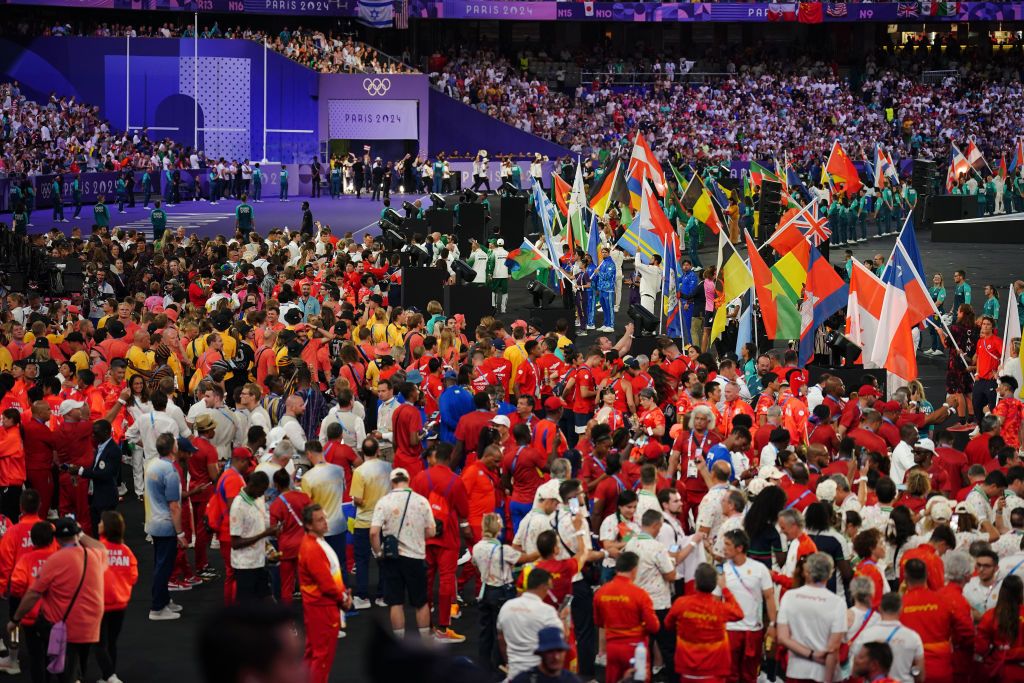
column 300, row 8
column 806, row 12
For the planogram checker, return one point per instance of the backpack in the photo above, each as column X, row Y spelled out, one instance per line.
column 438, row 501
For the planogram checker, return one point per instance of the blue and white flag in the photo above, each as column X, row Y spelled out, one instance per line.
column 376, row 13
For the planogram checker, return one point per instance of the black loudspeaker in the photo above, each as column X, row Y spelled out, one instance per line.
column 643, row 320
column 513, row 221
column 441, row 220
column 852, row 376
column 420, row 285
column 472, row 301
column 472, row 225
column 770, row 208
column 643, row 346
column 464, row 270
column 924, row 178
column 415, row 226
column 953, row 207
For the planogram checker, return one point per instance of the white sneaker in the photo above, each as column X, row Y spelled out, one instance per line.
column 341, row 634
column 114, row 679
column 215, row 543
column 466, row 557
column 164, row 615
column 601, row 659
column 52, row 515
column 173, row 606
column 10, row 665
column 607, row 328
column 380, row 602
column 361, row 603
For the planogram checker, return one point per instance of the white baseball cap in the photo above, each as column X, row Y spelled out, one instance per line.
column 67, row 405
column 501, row 420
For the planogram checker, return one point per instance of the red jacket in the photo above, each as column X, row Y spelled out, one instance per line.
column 702, row 643
column 319, row 585
column 15, row 543
column 12, row 457
column 40, row 443
column 624, row 611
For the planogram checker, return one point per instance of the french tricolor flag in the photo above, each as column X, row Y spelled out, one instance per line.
column 905, row 305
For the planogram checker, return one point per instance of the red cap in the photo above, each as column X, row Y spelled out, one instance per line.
column 553, row 403
column 868, row 390
column 240, row 452
column 654, row 450
column 888, row 406
column 519, row 323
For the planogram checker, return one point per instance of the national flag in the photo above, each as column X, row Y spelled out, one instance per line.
column 1002, row 167
column 863, row 309
column 524, row 261
column 840, row 169
column 940, row 9
column 594, row 239
column 1012, row 330
column 788, row 239
column 836, row 9
column 718, row 193
column 546, row 211
column 643, row 162
column 577, row 201
column 759, row 173
column 812, row 223
column 778, row 306
column 793, row 180
column 620, row 194
column 601, row 194
column 906, row 10
column 891, row 171
column 975, row 158
column 811, row 13
column 958, row 166
column 745, row 333
column 782, row 11
column 640, row 242
column 824, row 295
column 697, row 200
column 1018, row 156
column 402, row 14
column 878, row 168
column 561, row 191
column 673, row 270
column 375, row 13
column 734, row 278
column 905, row 305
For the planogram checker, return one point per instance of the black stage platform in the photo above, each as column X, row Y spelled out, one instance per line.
column 1000, row 229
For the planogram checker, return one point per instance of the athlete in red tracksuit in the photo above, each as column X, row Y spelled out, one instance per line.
column 937, row 622
column 323, row 595
column 626, row 613
column 702, row 643
column 286, row 510
column 228, row 486
column 17, row 539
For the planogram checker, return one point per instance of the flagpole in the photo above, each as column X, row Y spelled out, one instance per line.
column 661, row 309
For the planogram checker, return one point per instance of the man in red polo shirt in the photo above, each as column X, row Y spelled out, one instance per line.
column 852, row 412
column 987, row 359
column 866, row 436
column 406, row 428
column 467, row 431
column 448, row 501
column 40, row 443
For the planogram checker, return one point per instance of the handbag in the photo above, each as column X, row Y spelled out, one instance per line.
column 389, row 544
column 56, row 648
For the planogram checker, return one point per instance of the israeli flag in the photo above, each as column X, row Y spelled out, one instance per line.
column 376, row 13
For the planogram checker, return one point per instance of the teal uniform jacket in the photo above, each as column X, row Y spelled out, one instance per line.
column 243, row 215
column 887, row 203
column 991, row 308
column 121, row 186
column 56, row 191
column 284, row 177
column 257, row 177
column 158, row 219
column 101, row 215
column 938, row 295
column 76, row 189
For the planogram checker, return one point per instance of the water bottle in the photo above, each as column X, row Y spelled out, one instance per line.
column 640, row 662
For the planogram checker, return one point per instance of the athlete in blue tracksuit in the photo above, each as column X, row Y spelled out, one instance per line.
column 452, row 404
column 604, row 288
column 688, row 288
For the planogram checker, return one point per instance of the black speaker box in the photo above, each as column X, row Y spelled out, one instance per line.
column 473, row 301
column 440, row 220
column 420, row 285
column 513, row 221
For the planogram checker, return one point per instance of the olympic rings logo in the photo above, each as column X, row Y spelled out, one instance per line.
column 377, row 87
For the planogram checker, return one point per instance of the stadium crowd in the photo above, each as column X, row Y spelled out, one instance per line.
column 327, row 52
column 755, row 103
